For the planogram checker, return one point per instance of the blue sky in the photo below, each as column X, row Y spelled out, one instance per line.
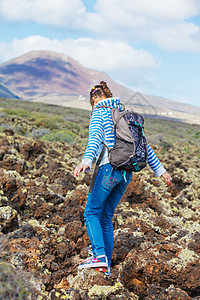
column 149, row 46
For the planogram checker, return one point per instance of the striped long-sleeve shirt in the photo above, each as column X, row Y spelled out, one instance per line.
column 100, row 130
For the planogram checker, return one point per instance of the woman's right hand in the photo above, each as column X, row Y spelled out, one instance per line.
column 79, row 168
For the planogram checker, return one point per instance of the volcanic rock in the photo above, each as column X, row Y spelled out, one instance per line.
column 156, row 251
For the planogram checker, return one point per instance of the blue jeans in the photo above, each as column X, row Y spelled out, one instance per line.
column 109, row 187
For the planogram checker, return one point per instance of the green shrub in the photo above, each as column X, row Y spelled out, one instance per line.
column 197, row 134
column 60, row 136
column 84, row 133
column 72, row 126
column 47, row 121
column 17, row 112
column 12, row 285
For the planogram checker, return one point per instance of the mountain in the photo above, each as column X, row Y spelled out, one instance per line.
column 41, row 73
column 56, row 78
column 160, row 105
column 6, row 93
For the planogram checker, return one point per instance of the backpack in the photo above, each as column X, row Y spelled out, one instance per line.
column 130, row 152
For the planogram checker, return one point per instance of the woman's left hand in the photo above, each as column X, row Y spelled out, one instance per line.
column 167, row 178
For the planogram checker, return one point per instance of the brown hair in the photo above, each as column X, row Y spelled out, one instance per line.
column 100, row 90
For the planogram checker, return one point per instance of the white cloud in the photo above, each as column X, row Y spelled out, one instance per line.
column 182, row 36
column 110, row 55
column 57, row 11
column 156, row 9
column 166, row 23
column 51, row 12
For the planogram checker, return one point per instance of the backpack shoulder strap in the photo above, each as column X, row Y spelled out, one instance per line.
column 96, row 168
column 115, row 121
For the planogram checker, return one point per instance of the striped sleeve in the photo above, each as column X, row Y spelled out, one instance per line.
column 154, row 163
column 96, row 134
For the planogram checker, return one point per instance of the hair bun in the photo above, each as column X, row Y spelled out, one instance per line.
column 103, row 84
column 106, row 89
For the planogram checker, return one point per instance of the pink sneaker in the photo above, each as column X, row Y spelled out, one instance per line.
column 95, row 262
column 106, row 271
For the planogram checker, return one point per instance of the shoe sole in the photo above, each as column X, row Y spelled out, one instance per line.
column 102, row 270
column 94, row 265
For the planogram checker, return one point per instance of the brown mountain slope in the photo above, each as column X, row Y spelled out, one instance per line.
column 59, row 79
column 40, row 73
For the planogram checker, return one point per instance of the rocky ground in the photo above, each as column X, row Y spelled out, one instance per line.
column 43, row 239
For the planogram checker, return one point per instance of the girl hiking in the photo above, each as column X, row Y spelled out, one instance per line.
column 110, row 183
